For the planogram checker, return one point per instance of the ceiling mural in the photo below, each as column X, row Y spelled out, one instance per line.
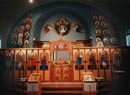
column 105, row 33
column 21, row 33
column 71, row 21
column 65, row 26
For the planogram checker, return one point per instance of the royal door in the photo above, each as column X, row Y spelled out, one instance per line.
column 61, row 61
column 61, row 72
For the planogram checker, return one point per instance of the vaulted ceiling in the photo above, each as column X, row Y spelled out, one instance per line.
column 12, row 9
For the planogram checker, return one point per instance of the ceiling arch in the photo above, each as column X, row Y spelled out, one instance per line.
column 58, row 10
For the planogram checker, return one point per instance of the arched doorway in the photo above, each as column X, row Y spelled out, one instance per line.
column 61, row 66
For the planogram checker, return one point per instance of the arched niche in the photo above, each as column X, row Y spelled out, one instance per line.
column 61, row 56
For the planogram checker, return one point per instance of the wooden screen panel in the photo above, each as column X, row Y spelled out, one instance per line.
column 103, row 62
column 92, row 61
column 44, row 64
column 116, row 59
column 20, row 63
column 82, row 68
column 8, row 65
column 32, row 59
column 108, row 69
column 76, row 72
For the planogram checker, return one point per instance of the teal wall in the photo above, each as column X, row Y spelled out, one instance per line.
column 75, row 13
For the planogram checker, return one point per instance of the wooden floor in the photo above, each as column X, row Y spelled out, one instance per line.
column 115, row 87
column 67, row 88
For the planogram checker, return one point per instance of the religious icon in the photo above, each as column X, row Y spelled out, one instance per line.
column 78, row 28
column 98, row 32
column 27, row 27
column 26, row 44
column 20, row 43
column 26, row 34
column 20, row 35
column 103, row 23
column 99, row 41
column 62, row 26
column 92, row 60
column 34, row 77
column 32, row 61
column 65, row 73
column 9, row 59
column 101, row 18
column 104, row 59
column 57, row 74
column 117, row 59
column 47, row 28
column 97, row 23
column 112, row 40
column 79, row 60
column 22, row 28
column 88, row 76
column 43, row 60
column 106, row 41
column 20, row 61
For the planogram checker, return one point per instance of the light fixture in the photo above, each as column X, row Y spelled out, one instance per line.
column 31, row 1
column 34, row 38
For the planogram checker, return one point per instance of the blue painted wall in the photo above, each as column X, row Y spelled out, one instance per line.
column 75, row 13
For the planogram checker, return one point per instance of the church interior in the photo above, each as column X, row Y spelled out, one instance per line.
column 69, row 47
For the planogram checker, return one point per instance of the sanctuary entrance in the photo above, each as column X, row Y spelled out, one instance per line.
column 61, row 72
column 61, row 58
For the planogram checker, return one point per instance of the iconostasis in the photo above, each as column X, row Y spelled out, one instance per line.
column 63, row 62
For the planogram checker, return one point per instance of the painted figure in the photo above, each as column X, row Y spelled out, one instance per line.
column 92, row 60
column 9, row 58
column 43, row 61
column 62, row 29
column 104, row 60
column 78, row 28
column 99, row 42
column 79, row 60
column 47, row 28
column 31, row 60
column 117, row 59
column 20, row 60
